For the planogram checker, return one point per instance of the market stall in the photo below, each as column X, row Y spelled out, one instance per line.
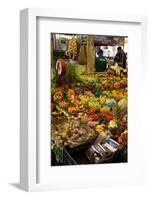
column 88, row 109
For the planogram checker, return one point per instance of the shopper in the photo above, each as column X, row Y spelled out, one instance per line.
column 120, row 57
column 100, row 62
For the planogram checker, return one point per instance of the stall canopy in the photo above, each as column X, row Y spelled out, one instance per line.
column 109, row 41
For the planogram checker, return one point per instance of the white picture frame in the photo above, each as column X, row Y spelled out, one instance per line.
column 28, row 91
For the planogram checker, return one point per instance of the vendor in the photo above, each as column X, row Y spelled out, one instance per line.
column 100, row 62
column 120, row 57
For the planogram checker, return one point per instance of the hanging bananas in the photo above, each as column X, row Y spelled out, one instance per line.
column 72, row 47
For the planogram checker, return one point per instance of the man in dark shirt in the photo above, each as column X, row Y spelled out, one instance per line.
column 100, row 62
column 120, row 57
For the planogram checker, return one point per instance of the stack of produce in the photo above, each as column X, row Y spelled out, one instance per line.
column 72, row 133
column 87, row 110
column 72, row 47
column 70, row 75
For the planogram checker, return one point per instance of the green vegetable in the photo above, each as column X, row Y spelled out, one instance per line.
column 79, row 69
column 70, row 76
column 62, row 111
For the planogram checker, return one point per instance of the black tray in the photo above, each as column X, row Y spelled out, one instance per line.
column 76, row 156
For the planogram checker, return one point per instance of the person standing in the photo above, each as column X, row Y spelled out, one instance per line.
column 120, row 57
column 100, row 62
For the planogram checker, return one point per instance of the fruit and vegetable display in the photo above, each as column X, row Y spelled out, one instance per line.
column 93, row 106
column 89, row 107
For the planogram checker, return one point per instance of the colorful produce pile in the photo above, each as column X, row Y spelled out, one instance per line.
column 71, row 132
column 96, row 105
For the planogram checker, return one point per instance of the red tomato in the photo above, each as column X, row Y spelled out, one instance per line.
column 94, row 116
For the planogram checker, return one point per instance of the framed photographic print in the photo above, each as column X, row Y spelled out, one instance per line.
column 81, row 85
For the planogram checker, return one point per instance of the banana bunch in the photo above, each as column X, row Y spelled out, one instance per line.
column 125, row 133
column 101, row 129
column 72, row 47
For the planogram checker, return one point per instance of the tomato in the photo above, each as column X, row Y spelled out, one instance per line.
column 94, row 116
